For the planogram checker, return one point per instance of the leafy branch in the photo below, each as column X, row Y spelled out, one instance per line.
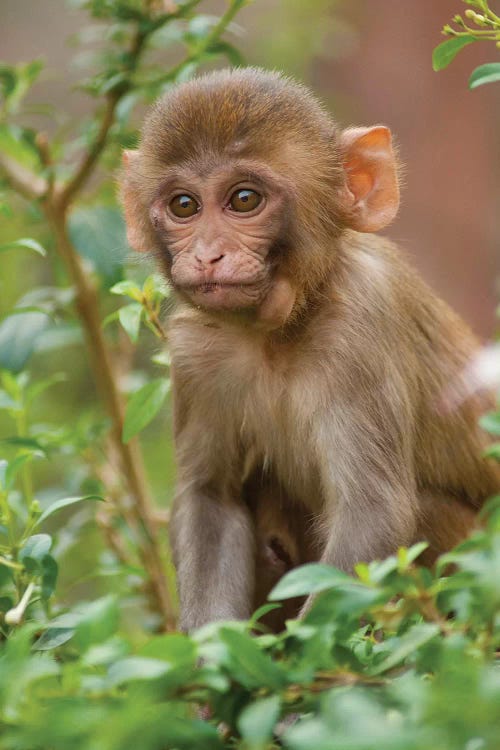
column 43, row 181
column 481, row 24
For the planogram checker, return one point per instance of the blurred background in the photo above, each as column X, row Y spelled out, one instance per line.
column 371, row 63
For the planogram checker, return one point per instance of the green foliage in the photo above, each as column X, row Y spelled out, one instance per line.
column 396, row 657
column 485, row 26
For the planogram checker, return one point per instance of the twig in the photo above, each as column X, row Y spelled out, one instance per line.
column 87, row 304
column 22, row 180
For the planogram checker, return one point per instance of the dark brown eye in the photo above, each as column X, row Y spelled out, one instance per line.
column 245, row 200
column 183, row 206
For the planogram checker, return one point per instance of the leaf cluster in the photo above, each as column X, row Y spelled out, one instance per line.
column 482, row 24
column 396, row 656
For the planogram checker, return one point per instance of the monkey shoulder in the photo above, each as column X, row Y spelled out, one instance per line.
column 390, row 303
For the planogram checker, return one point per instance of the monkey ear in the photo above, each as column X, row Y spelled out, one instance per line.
column 372, row 188
column 136, row 234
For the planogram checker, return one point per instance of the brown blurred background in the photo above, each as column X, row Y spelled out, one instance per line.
column 371, row 63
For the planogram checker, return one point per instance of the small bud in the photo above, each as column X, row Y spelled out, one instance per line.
column 35, row 509
column 459, row 20
column 15, row 615
column 447, row 29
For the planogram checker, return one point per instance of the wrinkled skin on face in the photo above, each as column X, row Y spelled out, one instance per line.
column 221, row 255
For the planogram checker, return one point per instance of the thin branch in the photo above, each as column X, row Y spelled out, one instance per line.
column 22, row 180
column 204, row 45
column 131, row 465
column 91, row 157
column 89, row 160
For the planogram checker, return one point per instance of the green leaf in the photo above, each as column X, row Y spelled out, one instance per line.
column 488, row 73
column 233, row 55
column 257, row 721
column 308, row 579
column 35, row 548
column 15, row 466
column 445, row 52
column 493, row 451
column 26, row 243
column 19, row 337
column 130, row 318
column 249, row 664
column 136, row 668
column 407, row 555
column 52, row 638
column 16, row 80
column 50, row 571
column 406, row 645
column 36, row 389
column 65, row 503
column 127, row 288
column 491, row 423
column 97, row 622
column 29, row 444
column 175, row 648
column 143, row 406
column 263, row 610
column 98, row 234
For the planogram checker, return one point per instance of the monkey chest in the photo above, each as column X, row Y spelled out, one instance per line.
column 250, row 408
column 272, row 419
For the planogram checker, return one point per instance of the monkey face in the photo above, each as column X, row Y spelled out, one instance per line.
column 218, row 225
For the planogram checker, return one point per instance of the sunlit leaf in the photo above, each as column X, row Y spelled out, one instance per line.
column 251, row 665
column 445, row 52
column 308, row 579
column 19, row 337
column 27, row 244
column 98, row 234
column 257, row 721
column 53, row 638
column 488, row 73
column 130, row 318
column 406, row 645
column 127, row 288
column 143, row 406
column 65, row 503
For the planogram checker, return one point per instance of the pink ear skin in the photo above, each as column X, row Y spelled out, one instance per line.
column 371, row 195
column 277, row 305
column 133, row 217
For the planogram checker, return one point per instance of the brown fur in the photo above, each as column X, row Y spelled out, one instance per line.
column 334, row 411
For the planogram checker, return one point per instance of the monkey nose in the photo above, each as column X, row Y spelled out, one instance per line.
column 209, row 260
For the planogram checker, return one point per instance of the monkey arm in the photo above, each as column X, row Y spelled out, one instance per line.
column 369, row 478
column 213, row 546
column 212, row 532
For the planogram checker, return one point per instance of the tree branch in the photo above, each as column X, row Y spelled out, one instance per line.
column 87, row 304
column 89, row 160
column 22, row 180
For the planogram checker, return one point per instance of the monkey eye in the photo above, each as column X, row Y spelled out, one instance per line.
column 244, row 200
column 184, row 206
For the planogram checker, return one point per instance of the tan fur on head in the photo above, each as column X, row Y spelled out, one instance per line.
column 243, row 114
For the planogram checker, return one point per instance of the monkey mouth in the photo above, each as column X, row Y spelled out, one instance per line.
column 224, row 295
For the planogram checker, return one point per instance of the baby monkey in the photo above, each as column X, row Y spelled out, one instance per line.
column 309, row 360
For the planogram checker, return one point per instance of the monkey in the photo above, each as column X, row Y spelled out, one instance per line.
column 308, row 357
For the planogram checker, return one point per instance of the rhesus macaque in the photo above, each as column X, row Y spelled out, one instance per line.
column 308, row 359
